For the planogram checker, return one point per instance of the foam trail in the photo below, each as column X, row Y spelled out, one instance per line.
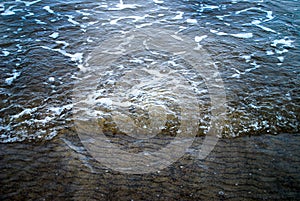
column 200, row 38
column 54, row 35
column 238, row 35
column 257, row 23
column 8, row 11
column 192, row 21
column 158, row 1
column 121, row 6
column 48, row 9
column 178, row 16
column 28, row 3
column 5, row 53
column 15, row 75
column 76, row 57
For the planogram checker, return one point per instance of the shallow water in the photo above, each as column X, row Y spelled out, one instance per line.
column 262, row 167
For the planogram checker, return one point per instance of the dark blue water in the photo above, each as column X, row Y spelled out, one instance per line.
column 44, row 46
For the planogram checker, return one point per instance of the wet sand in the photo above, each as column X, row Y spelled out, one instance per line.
column 248, row 168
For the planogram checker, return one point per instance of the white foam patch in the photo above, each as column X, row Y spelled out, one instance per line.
column 192, row 21
column 255, row 65
column 247, row 58
column 176, row 37
column 82, row 68
column 139, row 61
column 8, row 11
column 29, row 14
column 54, row 35
column 105, row 101
column 266, row 29
column 45, row 120
column 239, row 73
column 285, row 42
column 136, row 19
column 252, row 1
column 238, row 35
column 28, row 3
column 281, row 51
column 2, row 8
column 51, row 79
column 270, row 52
column 48, row 9
column 40, row 22
column 281, row 59
column 19, row 47
column 71, row 20
column 207, row 7
column 15, row 75
column 121, row 6
column 64, row 43
column 24, row 112
column 200, row 38
column 181, row 28
column 220, row 17
column 236, row 75
column 143, row 25
column 269, row 14
column 89, row 40
column 5, row 53
column 58, row 110
column 158, row 1
column 179, row 15
column 83, row 13
column 104, row 5
column 76, row 57
column 92, row 23
column 257, row 23
column 93, row 99
column 218, row 32
column 242, row 35
column 42, row 120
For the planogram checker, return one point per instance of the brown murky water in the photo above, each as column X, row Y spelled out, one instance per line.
column 248, row 168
